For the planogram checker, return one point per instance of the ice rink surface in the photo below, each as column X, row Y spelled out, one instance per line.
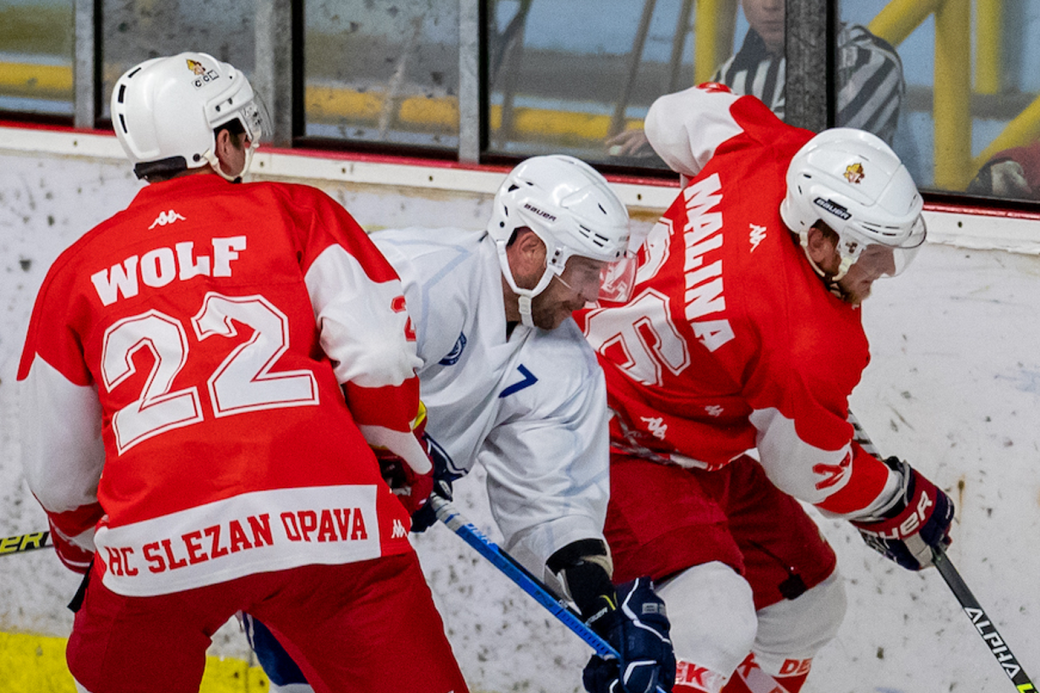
column 953, row 387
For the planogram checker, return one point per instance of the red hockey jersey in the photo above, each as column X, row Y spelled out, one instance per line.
column 731, row 341
column 183, row 372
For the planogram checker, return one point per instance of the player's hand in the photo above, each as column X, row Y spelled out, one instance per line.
column 638, row 629
column 443, row 478
column 411, row 488
column 629, row 143
column 918, row 523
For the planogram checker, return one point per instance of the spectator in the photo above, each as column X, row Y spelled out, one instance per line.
column 870, row 76
column 1013, row 173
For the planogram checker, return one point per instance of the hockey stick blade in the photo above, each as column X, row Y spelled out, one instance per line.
column 997, row 646
column 24, row 542
column 450, row 516
column 960, row 590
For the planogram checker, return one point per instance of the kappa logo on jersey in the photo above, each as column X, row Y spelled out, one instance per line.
column 833, row 473
column 399, row 530
column 854, row 173
column 165, row 218
column 757, row 235
column 203, row 76
column 702, row 236
column 714, row 410
column 656, row 425
column 456, row 351
column 161, row 266
column 529, row 379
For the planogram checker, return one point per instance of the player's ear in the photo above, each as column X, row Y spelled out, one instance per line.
column 822, row 247
column 527, row 258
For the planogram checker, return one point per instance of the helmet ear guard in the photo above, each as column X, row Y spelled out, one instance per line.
column 855, row 184
column 165, row 111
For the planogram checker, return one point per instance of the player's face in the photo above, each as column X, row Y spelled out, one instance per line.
column 578, row 285
column 874, row 262
column 767, row 18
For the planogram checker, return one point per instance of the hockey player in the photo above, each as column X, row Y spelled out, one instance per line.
column 204, row 374
column 510, row 383
column 729, row 373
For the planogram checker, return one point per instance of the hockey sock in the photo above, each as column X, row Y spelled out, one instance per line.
column 693, row 678
column 750, row 678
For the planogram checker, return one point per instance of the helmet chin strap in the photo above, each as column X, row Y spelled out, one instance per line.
column 524, row 296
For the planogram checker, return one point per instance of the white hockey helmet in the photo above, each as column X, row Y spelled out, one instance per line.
column 165, row 110
column 574, row 211
column 853, row 182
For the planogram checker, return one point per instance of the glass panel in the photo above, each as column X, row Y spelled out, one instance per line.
column 382, row 71
column 970, row 116
column 565, row 79
column 136, row 30
column 36, row 56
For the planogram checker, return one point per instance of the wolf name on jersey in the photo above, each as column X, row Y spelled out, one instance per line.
column 185, row 361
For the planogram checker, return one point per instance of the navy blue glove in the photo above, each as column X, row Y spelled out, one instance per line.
column 917, row 523
column 443, row 478
column 638, row 629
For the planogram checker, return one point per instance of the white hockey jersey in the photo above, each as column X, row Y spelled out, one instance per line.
column 531, row 407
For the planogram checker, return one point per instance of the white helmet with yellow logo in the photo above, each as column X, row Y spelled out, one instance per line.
column 164, row 111
column 854, row 183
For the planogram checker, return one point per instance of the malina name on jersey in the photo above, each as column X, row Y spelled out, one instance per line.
column 702, row 236
column 160, row 266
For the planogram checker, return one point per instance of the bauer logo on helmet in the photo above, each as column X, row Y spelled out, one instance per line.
column 833, row 207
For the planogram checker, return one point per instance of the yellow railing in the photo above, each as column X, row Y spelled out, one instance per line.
column 713, row 42
column 954, row 165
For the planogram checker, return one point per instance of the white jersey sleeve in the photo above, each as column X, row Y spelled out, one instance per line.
column 531, row 406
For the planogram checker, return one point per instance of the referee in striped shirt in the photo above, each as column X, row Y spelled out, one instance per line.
column 870, row 73
column 870, row 77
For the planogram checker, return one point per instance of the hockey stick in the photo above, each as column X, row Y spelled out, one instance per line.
column 24, row 542
column 967, row 600
column 450, row 515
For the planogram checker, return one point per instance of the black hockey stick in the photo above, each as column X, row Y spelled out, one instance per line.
column 24, row 542
column 967, row 600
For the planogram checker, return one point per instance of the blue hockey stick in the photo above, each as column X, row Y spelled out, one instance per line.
column 450, row 515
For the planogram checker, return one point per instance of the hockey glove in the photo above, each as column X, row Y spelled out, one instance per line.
column 637, row 627
column 443, row 478
column 412, row 489
column 917, row 522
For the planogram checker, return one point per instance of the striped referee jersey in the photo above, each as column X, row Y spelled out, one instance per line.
column 870, row 79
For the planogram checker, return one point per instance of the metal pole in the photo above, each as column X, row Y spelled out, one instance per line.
column 808, row 38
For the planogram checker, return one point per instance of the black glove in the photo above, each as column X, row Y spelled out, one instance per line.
column 638, row 629
column 443, row 478
column 915, row 524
